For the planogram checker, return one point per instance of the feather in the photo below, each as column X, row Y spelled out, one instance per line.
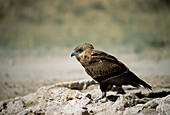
column 106, row 69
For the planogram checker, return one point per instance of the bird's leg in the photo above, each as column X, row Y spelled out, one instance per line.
column 120, row 90
column 103, row 95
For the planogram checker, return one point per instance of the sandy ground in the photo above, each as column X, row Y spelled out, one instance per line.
column 21, row 76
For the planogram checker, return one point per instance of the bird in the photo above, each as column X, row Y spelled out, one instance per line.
column 106, row 69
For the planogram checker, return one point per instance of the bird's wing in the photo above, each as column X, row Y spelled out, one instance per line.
column 104, row 66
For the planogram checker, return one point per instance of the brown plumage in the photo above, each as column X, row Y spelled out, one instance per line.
column 106, row 69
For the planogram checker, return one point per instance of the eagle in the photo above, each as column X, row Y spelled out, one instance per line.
column 106, row 69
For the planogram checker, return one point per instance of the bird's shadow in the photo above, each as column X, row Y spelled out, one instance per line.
column 112, row 98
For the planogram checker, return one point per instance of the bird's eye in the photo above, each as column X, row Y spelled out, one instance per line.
column 79, row 50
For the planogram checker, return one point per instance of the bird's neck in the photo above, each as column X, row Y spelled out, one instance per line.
column 84, row 58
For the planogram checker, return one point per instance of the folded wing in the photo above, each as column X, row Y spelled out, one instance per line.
column 103, row 67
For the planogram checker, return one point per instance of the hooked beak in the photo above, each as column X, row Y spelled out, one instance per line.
column 75, row 53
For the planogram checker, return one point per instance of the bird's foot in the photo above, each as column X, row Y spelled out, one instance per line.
column 120, row 91
column 101, row 99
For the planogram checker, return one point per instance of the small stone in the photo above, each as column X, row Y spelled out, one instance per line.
column 89, row 96
column 85, row 113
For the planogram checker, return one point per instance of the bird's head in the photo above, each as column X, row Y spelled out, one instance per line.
column 82, row 48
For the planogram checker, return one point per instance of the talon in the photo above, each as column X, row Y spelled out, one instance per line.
column 120, row 90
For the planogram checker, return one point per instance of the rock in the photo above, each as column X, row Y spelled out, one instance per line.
column 164, row 106
column 76, row 97
column 14, row 106
column 133, row 110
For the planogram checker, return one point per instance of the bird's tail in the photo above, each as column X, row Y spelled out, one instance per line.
column 147, row 86
column 139, row 82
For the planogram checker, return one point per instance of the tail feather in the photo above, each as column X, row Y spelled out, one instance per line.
column 147, row 86
column 137, row 82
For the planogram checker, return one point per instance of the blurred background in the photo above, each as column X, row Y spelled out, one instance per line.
column 38, row 36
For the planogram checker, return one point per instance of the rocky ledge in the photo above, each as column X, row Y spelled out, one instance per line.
column 76, row 97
